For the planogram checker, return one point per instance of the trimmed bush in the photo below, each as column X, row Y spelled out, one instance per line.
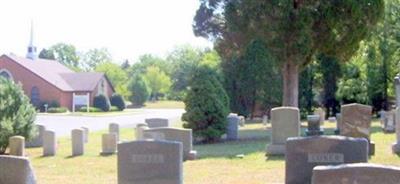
column 102, row 102
column 17, row 115
column 140, row 91
column 118, row 101
column 207, row 106
column 91, row 109
column 57, row 110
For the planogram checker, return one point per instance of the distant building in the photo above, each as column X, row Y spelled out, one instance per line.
column 45, row 81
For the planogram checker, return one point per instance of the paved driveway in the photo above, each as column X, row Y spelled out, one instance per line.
column 63, row 124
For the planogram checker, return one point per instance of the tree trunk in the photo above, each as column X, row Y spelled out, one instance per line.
column 290, row 84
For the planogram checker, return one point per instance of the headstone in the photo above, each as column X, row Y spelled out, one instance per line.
column 242, row 121
column 86, row 134
column 78, row 147
column 17, row 145
column 114, row 128
column 319, row 111
column 37, row 141
column 396, row 145
column 109, row 144
column 157, row 122
column 49, row 143
column 146, row 161
column 314, row 128
column 16, row 170
column 397, row 86
column 388, row 121
column 338, row 123
column 139, row 130
column 356, row 173
column 174, row 134
column 356, row 122
column 285, row 123
column 304, row 153
column 332, row 119
column 232, row 127
column 265, row 120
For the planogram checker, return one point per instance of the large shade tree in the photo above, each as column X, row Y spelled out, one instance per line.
column 293, row 30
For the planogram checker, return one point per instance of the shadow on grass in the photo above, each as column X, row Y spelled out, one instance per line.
column 72, row 156
column 230, row 149
column 250, row 141
column 275, row 158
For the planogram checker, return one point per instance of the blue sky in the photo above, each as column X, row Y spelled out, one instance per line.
column 128, row 28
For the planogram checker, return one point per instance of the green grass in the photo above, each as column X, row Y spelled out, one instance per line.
column 164, row 104
column 217, row 163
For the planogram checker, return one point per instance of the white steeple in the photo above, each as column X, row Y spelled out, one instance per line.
column 32, row 53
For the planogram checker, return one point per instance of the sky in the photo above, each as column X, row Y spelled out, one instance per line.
column 127, row 28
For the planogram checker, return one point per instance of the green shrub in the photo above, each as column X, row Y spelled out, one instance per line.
column 57, row 110
column 206, row 105
column 114, row 109
column 91, row 109
column 140, row 91
column 17, row 115
column 118, row 101
column 54, row 103
column 102, row 102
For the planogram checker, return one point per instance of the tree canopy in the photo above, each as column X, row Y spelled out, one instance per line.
column 293, row 30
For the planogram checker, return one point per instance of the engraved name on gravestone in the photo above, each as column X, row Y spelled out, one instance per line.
column 304, row 153
column 147, row 161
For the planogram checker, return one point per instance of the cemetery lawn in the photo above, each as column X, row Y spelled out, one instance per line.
column 164, row 104
column 217, row 164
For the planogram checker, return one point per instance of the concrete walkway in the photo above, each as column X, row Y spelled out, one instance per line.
column 63, row 124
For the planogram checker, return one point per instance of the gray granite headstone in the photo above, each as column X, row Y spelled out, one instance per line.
column 150, row 162
column 139, row 130
column 49, row 143
column 388, row 121
column 314, row 125
column 16, row 145
column 232, row 127
column 16, row 170
column 174, row 134
column 304, row 153
column 338, row 123
column 157, row 122
column 319, row 111
column 242, row 121
column 114, row 128
column 396, row 145
column 108, row 144
column 285, row 123
column 397, row 86
column 78, row 144
column 358, row 173
column 356, row 122
column 86, row 135
column 37, row 141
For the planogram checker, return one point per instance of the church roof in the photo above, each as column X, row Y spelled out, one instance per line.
column 59, row 75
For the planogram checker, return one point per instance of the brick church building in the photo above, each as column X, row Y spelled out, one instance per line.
column 47, row 80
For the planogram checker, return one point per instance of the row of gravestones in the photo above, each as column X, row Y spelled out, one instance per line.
column 153, row 140
column 304, row 154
